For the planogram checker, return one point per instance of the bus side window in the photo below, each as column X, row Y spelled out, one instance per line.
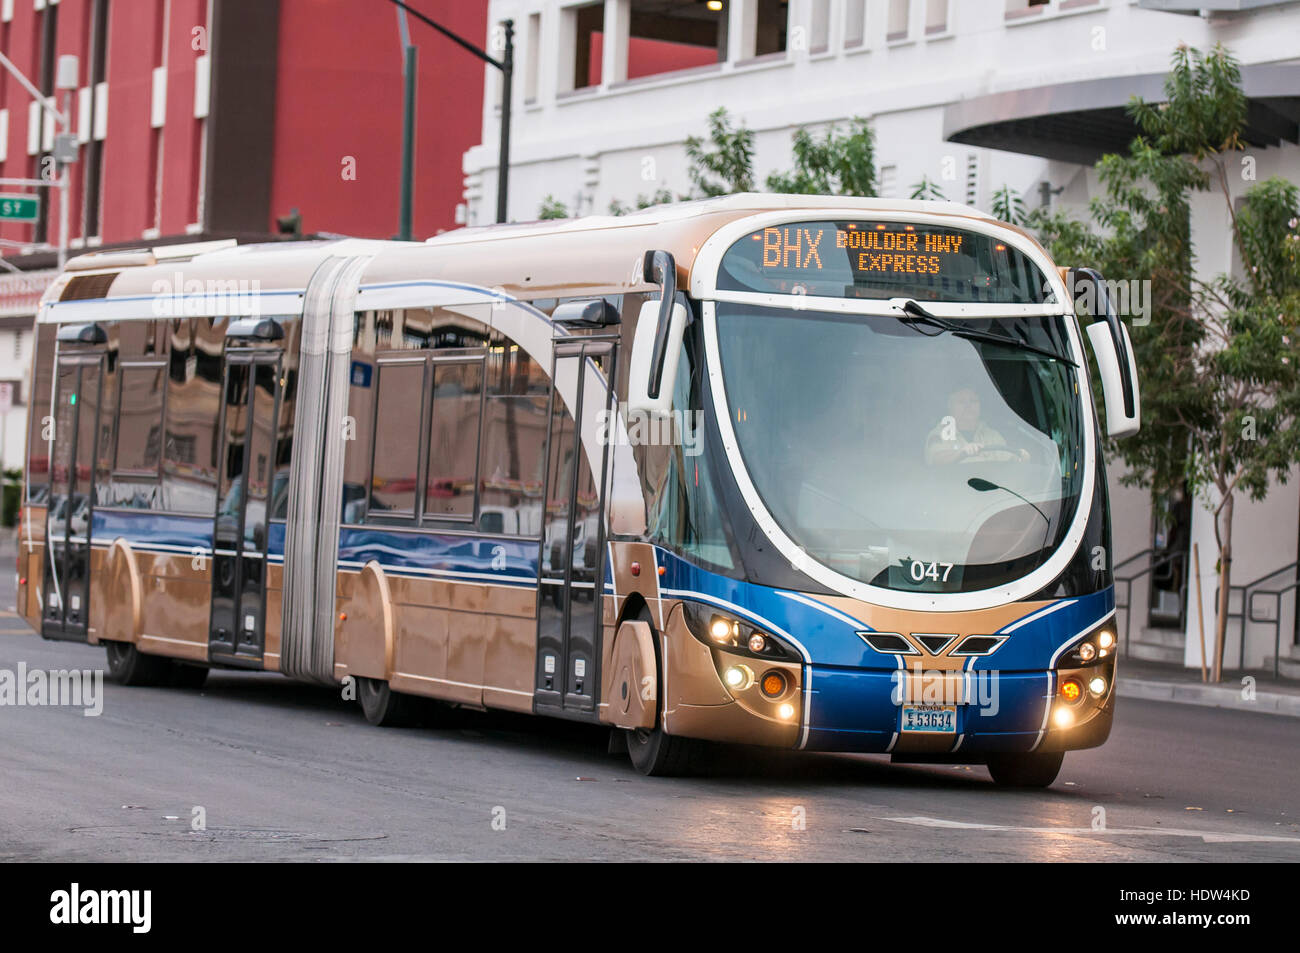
column 512, row 456
column 453, row 443
column 193, row 409
column 394, row 474
column 684, row 510
column 139, row 440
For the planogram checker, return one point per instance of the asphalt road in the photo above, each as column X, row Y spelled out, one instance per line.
column 289, row 772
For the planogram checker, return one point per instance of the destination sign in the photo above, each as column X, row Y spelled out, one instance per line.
column 881, row 260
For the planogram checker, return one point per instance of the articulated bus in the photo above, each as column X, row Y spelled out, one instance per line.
column 797, row 471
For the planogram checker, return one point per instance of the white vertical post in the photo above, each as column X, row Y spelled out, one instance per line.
column 742, row 30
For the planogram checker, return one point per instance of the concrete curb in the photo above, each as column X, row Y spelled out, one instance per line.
column 1209, row 696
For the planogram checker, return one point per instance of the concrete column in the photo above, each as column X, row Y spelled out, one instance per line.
column 618, row 16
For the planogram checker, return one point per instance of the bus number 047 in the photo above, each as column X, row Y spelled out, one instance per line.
column 920, row 571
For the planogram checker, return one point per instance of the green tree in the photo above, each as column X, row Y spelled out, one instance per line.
column 658, row 197
column 1009, row 206
column 552, row 208
column 930, row 191
column 724, row 163
column 835, row 164
column 1218, row 360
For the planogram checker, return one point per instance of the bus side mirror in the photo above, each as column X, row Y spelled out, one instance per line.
column 641, row 374
column 1114, row 350
column 657, row 344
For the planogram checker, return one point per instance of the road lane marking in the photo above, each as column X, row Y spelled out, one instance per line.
column 1210, row 837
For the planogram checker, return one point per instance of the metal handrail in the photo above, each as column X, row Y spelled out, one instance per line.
column 1245, row 615
column 1129, row 579
column 1276, row 621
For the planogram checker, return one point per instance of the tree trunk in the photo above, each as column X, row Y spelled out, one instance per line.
column 1225, row 581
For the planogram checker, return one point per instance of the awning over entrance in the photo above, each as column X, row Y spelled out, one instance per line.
column 20, row 292
column 1082, row 121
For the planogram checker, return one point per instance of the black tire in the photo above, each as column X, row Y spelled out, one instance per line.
column 384, row 707
column 188, row 676
column 659, row 755
column 1036, row 770
column 127, row 665
column 653, row 752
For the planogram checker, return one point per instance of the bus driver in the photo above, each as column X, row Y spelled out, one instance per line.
column 962, row 436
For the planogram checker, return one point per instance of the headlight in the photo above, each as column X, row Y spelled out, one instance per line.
column 1097, row 646
column 723, row 631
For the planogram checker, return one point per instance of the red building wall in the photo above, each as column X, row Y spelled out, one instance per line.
column 339, row 95
column 21, row 42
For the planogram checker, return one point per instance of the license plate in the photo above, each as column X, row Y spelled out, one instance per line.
column 941, row 719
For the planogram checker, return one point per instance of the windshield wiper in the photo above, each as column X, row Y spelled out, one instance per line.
column 915, row 314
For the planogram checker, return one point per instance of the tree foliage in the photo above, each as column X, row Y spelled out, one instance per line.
column 1218, row 360
column 724, row 163
column 928, row 190
column 552, row 208
column 835, row 164
column 1009, row 206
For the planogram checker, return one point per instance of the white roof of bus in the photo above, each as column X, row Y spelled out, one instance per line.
column 679, row 211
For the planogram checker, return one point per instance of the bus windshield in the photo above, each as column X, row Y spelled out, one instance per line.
column 904, row 455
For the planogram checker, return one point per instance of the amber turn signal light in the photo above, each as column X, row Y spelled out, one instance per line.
column 773, row 684
column 1071, row 690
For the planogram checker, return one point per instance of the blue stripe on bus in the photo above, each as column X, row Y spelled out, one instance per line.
column 147, row 529
column 489, row 559
column 507, row 561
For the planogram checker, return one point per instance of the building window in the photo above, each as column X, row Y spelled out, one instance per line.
column 582, row 32
column 532, row 69
column 900, row 16
column 819, row 26
column 665, row 36
column 855, row 23
column 1021, row 8
column 936, row 17
column 770, row 28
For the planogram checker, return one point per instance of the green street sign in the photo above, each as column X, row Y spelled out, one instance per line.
column 19, row 208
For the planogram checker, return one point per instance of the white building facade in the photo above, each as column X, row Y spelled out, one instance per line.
column 971, row 95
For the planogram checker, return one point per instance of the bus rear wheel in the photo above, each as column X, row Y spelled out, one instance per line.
column 127, row 665
column 1036, row 770
column 659, row 755
column 384, row 707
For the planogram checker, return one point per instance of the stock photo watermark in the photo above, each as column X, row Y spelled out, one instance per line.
column 62, row 688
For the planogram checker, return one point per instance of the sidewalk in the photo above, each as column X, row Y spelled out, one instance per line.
column 1155, row 681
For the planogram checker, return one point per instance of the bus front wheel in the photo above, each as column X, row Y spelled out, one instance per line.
column 1036, row 770
column 127, row 665
column 656, row 754
column 384, row 707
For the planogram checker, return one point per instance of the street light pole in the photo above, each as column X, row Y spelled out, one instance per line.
column 507, row 80
column 409, row 63
column 507, row 67
column 67, row 68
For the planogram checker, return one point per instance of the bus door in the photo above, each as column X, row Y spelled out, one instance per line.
column 246, row 472
column 66, row 587
column 572, row 565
